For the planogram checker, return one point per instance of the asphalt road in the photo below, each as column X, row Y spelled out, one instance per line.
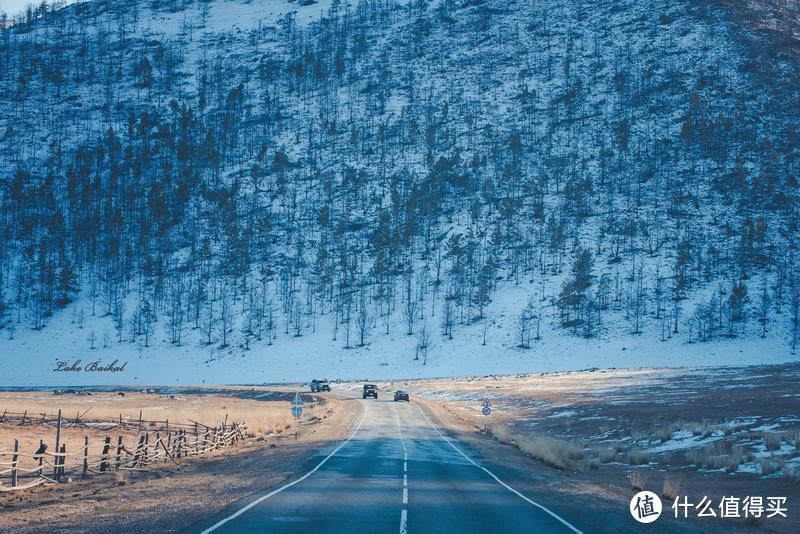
column 396, row 473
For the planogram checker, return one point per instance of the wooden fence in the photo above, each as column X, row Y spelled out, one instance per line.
column 156, row 442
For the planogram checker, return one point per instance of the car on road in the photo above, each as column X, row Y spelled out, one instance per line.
column 320, row 385
column 401, row 396
column 370, row 390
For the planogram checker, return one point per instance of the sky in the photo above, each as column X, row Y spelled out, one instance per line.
column 16, row 6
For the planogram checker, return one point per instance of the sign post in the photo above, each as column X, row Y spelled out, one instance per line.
column 297, row 411
column 486, row 410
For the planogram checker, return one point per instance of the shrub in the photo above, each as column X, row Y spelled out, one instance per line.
column 606, row 455
column 638, row 479
column 772, row 441
column 501, row 433
column 771, row 465
column 637, row 456
column 672, row 487
column 553, row 451
column 790, row 474
column 664, row 432
column 734, row 460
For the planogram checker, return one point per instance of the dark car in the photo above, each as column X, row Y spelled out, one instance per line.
column 401, row 396
column 370, row 390
column 320, row 385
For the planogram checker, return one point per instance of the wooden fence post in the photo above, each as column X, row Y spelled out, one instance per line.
column 85, row 456
column 58, row 442
column 40, row 455
column 140, row 420
column 104, row 458
column 119, row 454
column 14, row 464
column 62, row 458
column 137, row 456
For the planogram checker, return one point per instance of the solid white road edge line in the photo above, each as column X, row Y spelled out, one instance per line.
column 495, row 477
column 233, row 516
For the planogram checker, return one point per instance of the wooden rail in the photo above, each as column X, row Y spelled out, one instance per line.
column 31, row 418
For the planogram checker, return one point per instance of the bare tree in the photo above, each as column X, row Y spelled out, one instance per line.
column 423, row 343
column 448, row 317
column 362, row 320
column 410, row 314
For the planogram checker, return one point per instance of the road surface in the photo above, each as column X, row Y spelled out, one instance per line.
column 397, row 472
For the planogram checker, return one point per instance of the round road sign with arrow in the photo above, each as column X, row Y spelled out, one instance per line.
column 487, row 406
column 297, row 406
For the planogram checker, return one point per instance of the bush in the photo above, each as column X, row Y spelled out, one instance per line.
column 606, row 455
column 734, row 460
column 501, row 433
column 637, row 456
column 770, row 466
column 553, row 451
column 672, row 487
column 664, row 433
column 638, row 479
column 772, row 441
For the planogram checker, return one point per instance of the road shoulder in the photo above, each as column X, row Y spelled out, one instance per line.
column 175, row 497
column 589, row 504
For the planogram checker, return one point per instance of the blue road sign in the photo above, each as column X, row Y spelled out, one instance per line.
column 486, row 410
column 297, row 411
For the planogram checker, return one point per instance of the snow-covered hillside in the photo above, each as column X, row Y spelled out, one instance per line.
column 250, row 191
column 31, row 358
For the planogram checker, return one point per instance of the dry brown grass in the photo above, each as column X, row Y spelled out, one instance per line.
column 121, row 477
column 637, row 456
column 664, row 432
column 772, row 440
column 734, row 460
column 553, row 451
column 606, row 455
column 770, row 466
column 501, row 433
column 208, row 409
column 638, row 479
column 672, row 487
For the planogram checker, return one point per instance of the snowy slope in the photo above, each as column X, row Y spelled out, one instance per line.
column 227, row 161
column 32, row 356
